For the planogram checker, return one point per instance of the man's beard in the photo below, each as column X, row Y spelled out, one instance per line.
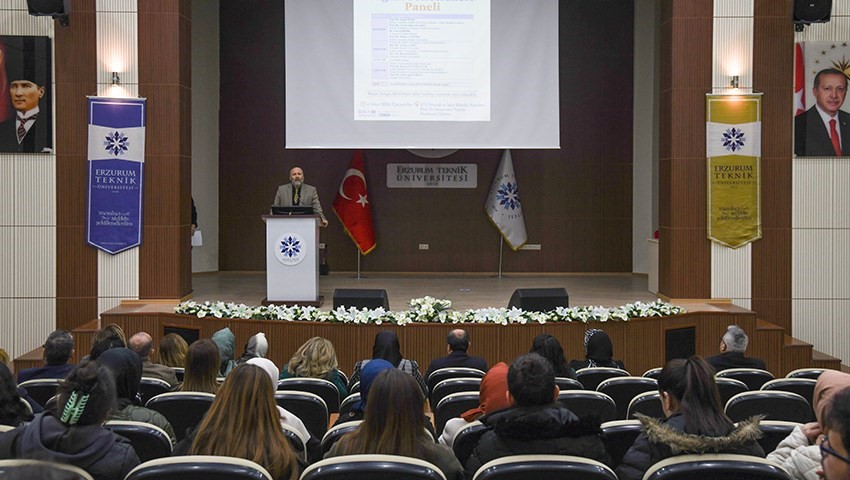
column 297, row 183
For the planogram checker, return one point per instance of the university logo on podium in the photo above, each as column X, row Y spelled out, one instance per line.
column 290, row 249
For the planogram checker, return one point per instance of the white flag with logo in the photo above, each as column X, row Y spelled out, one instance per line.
column 503, row 205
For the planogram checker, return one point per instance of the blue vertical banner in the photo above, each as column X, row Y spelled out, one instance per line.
column 116, row 157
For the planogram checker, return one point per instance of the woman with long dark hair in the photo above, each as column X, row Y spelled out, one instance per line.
column 695, row 422
column 550, row 348
column 201, row 367
column 172, row 350
column 394, row 425
column 387, row 347
column 12, row 410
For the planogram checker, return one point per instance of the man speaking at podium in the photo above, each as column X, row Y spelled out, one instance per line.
column 297, row 193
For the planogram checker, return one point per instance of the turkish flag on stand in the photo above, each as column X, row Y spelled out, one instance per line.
column 352, row 206
column 799, row 81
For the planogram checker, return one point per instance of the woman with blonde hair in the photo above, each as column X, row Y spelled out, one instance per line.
column 243, row 422
column 316, row 359
column 201, row 367
column 172, row 351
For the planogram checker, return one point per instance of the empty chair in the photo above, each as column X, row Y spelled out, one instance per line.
column 151, row 387
column 41, row 389
column 585, row 403
column 804, row 387
column 372, row 467
column 149, row 441
column 775, row 405
column 715, row 467
column 466, row 439
column 536, row 467
column 180, row 373
column 618, row 436
column 754, row 378
column 183, row 410
column 591, row 377
column 309, row 407
column 452, row 385
column 319, row 386
column 441, row 374
column 332, row 435
column 197, row 467
column 812, row 373
column 773, row 432
column 348, row 402
column 653, row 372
column 31, row 468
column 729, row 387
column 623, row 389
column 648, row 403
column 452, row 406
column 566, row 383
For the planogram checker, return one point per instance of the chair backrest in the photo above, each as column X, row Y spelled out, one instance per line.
column 774, row 404
column 296, row 440
column 41, row 389
column 180, row 373
column 198, row 467
column 309, row 407
column 348, row 402
column 27, row 406
column 715, row 467
column 441, row 374
column 451, row 406
column 453, row 385
column 337, row 431
column 566, row 383
column 372, row 467
column 773, row 432
column 536, row 467
column 591, row 377
column 618, row 437
column 6, row 428
column 812, row 373
column 321, row 387
column 729, row 387
column 183, row 410
column 31, row 467
column 623, row 389
column 804, row 387
column 466, row 439
column 647, row 403
column 149, row 441
column 753, row 377
column 653, row 372
column 151, row 387
column 354, row 388
column 585, row 403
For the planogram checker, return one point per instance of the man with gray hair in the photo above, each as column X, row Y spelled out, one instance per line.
column 732, row 348
column 58, row 349
column 142, row 344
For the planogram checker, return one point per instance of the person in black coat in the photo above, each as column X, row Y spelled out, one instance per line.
column 695, row 422
column 599, row 352
column 732, row 348
column 457, row 345
column 813, row 128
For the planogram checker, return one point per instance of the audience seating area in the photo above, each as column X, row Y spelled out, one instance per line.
column 536, row 467
column 199, row 467
column 372, row 467
column 716, row 467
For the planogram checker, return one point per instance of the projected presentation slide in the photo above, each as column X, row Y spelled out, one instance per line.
column 422, row 60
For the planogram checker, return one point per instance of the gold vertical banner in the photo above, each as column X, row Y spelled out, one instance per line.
column 733, row 151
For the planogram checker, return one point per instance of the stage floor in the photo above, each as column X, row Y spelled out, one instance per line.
column 465, row 291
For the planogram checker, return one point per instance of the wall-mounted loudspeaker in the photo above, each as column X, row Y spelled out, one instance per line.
column 58, row 9
column 807, row 12
column 539, row 299
column 360, row 298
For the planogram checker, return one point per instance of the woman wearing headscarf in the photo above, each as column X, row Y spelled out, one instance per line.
column 387, row 347
column 599, row 352
column 799, row 453
column 286, row 416
column 225, row 340
column 257, row 347
column 367, row 376
column 126, row 367
column 493, row 397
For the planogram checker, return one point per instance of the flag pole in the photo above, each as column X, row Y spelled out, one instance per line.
column 501, row 244
column 358, row 264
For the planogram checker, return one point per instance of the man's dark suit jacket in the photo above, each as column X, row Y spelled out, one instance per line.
column 728, row 360
column 456, row 359
column 47, row 371
column 811, row 137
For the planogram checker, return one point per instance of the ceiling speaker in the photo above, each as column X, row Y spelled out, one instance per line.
column 58, row 9
column 807, row 12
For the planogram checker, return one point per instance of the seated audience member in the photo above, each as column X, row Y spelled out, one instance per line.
column 535, row 423
column 367, row 378
column 257, row 347
column 457, row 345
column 58, row 349
column 226, row 342
column 695, row 422
column 75, row 434
column 286, row 417
column 394, row 425
column 799, row 453
column 244, row 423
column 201, row 367
column 126, row 367
column 110, row 336
column 12, row 412
column 550, row 348
column 387, row 348
column 835, row 445
column 732, row 348
column 599, row 352
column 4, row 357
column 172, row 351
column 142, row 344
column 316, row 359
column 493, row 397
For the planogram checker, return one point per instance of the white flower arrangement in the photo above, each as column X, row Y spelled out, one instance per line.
column 428, row 310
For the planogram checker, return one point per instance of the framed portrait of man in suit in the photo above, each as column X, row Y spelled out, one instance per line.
column 822, row 116
column 26, row 100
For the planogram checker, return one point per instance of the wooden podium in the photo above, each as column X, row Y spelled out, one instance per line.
column 292, row 259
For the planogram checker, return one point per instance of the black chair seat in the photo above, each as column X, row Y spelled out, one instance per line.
column 623, row 389
column 334, row 434
column 452, row 385
column 591, row 377
column 41, row 389
column 151, row 387
column 441, row 374
column 537, row 467
column 372, row 467
column 774, row 405
column 199, row 467
column 308, row 407
column 648, row 403
column 585, row 403
column 466, row 440
column 618, row 437
column 183, row 410
column 321, row 387
column 452, row 406
column 753, row 377
column 715, row 467
column 149, row 441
